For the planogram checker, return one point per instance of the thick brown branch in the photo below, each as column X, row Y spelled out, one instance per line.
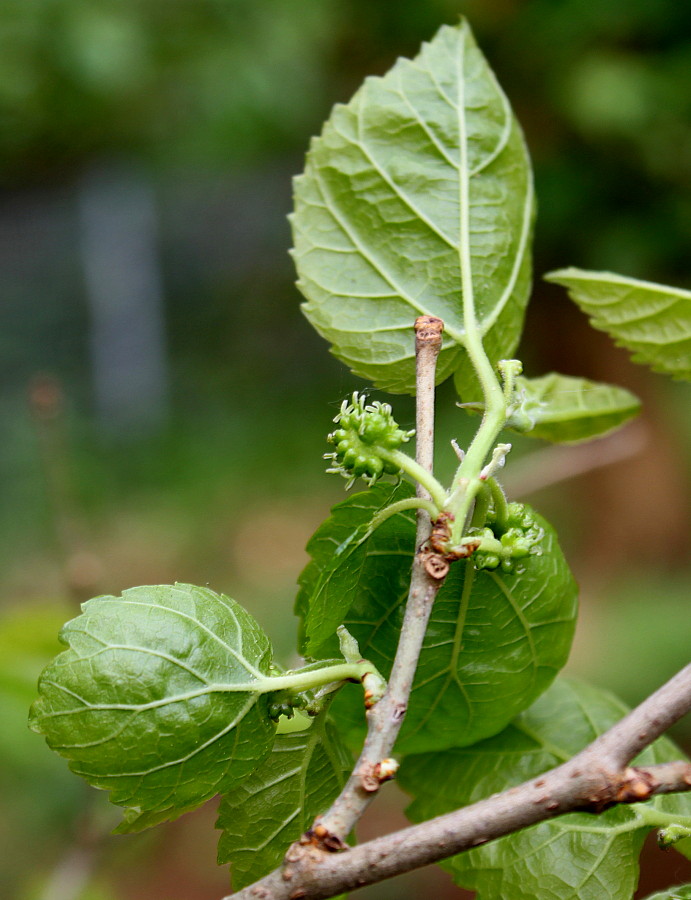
column 595, row 779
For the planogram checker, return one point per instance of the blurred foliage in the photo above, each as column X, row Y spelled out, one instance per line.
column 214, row 102
column 602, row 91
column 44, row 798
column 649, row 648
column 180, row 82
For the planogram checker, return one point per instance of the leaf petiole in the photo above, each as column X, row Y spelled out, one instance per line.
column 499, row 501
column 401, row 506
column 419, row 474
column 659, row 819
column 481, row 508
column 310, row 678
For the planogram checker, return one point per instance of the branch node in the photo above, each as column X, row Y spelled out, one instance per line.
column 372, row 776
column 399, row 712
column 435, row 565
column 428, row 331
column 635, row 785
column 321, row 838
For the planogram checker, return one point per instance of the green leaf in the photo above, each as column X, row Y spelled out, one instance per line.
column 342, row 566
column 651, row 320
column 423, row 173
column 158, row 700
column 574, row 857
column 568, row 410
column 263, row 815
column 495, row 639
column 681, row 892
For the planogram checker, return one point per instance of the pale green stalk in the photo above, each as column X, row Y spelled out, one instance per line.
column 466, row 482
column 501, row 506
column 313, row 678
column 659, row 819
column 418, row 473
column 401, row 506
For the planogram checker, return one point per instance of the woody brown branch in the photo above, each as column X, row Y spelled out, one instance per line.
column 596, row 778
column 385, row 718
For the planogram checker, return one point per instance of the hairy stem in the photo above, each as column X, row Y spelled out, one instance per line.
column 466, row 483
column 401, row 506
column 595, row 779
column 501, row 507
column 656, row 818
column 481, row 507
column 424, row 478
column 384, row 720
column 314, row 678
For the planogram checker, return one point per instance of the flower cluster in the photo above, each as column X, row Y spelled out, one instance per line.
column 520, row 537
column 365, row 441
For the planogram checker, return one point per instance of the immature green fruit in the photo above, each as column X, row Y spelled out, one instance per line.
column 520, row 537
column 365, row 440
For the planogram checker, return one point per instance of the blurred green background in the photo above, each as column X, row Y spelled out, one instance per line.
column 163, row 404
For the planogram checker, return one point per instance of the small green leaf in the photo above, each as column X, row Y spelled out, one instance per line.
column 263, row 815
column 681, row 892
column 574, row 857
column 567, row 410
column 495, row 640
column 342, row 566
column 159, row 699
column 424, row 173
column 653, row 321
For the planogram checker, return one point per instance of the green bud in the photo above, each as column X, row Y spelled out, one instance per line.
column 520, row 538
column 486, row 560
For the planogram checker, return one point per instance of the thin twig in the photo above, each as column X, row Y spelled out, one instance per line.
column 595, row 779
column 384, row 720
column 428, row 332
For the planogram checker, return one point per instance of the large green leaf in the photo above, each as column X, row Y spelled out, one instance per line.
column 280, row 800
column 566, row 410
column 651, row 320
column 159, row 699
column 494, row 642
column 342, row 566
column 416, row 199
column 574, row 857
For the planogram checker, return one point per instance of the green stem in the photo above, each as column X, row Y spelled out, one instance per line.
column 492, row 545
column 466, row 482
column 510, row 369
column 501, row 507
column 481, row 507
column 313, row 678
column 418, row 473
column 658, row 819
column 401, row 506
